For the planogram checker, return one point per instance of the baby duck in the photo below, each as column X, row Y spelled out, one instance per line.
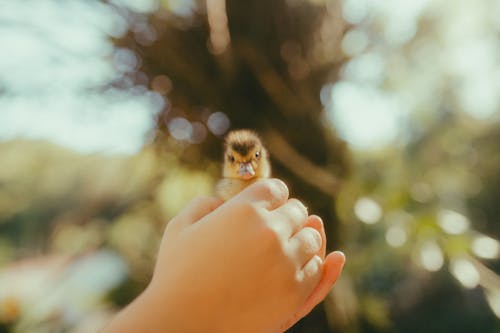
column 245, row 161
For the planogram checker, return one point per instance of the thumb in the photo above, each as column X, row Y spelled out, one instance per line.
column 195, row 210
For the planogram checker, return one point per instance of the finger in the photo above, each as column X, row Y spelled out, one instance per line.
column 316, row 223
column 269, row 193
column 332, row 267
column 311, row 272
column 289, row 218
column 195, row 210
column 304, row 245
column 310, row 275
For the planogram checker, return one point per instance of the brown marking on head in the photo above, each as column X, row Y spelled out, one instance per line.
column 242, row 141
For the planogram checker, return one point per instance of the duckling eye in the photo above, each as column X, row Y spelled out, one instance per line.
column 231, row 158
column 257, row 154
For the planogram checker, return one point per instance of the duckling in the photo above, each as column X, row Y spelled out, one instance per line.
column 245, row 161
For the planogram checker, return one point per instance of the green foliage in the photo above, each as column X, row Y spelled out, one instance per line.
column 417, row 217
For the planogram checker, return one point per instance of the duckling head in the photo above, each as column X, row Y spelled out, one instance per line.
column 245, row 157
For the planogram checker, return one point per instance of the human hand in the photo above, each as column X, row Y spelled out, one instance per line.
column 254, row 264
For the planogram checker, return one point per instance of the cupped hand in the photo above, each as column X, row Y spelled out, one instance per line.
column 253, row 264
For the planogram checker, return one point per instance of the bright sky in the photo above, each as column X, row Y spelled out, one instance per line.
column 55, row 56
column 382, row 88
column 53, row 62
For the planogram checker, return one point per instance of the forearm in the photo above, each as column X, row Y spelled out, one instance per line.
column 149, row 313
column 138, row 316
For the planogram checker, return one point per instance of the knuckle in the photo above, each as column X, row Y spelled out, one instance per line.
column 310, row 272
column 313, row 267
column 308, row 241
column 280, row 187
column 313, row 239
column 273, row 189
column 299, row 207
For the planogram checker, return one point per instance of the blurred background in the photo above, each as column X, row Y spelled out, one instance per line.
column 382, row 115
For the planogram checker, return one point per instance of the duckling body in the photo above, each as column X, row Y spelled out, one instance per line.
column 245, row 161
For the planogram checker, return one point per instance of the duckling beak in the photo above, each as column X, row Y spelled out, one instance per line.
column 246, row 170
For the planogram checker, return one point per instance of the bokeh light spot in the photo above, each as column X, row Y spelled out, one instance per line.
column 452, row 222
column 396, row 236
column 367, row 210
column 125, row 60
column 431, row 256
column 355, row 11
column 465, row 272
column 162, row 84
column 144, row 34
column 180, row 128
column 485, row 247
column 354, row 42
column 199, row 132
column 157, row 101
column 218, row 123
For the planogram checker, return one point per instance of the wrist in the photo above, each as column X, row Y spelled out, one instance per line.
column 171, row 310
column 144, row 314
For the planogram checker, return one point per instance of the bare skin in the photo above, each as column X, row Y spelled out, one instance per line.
column 253, row 264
